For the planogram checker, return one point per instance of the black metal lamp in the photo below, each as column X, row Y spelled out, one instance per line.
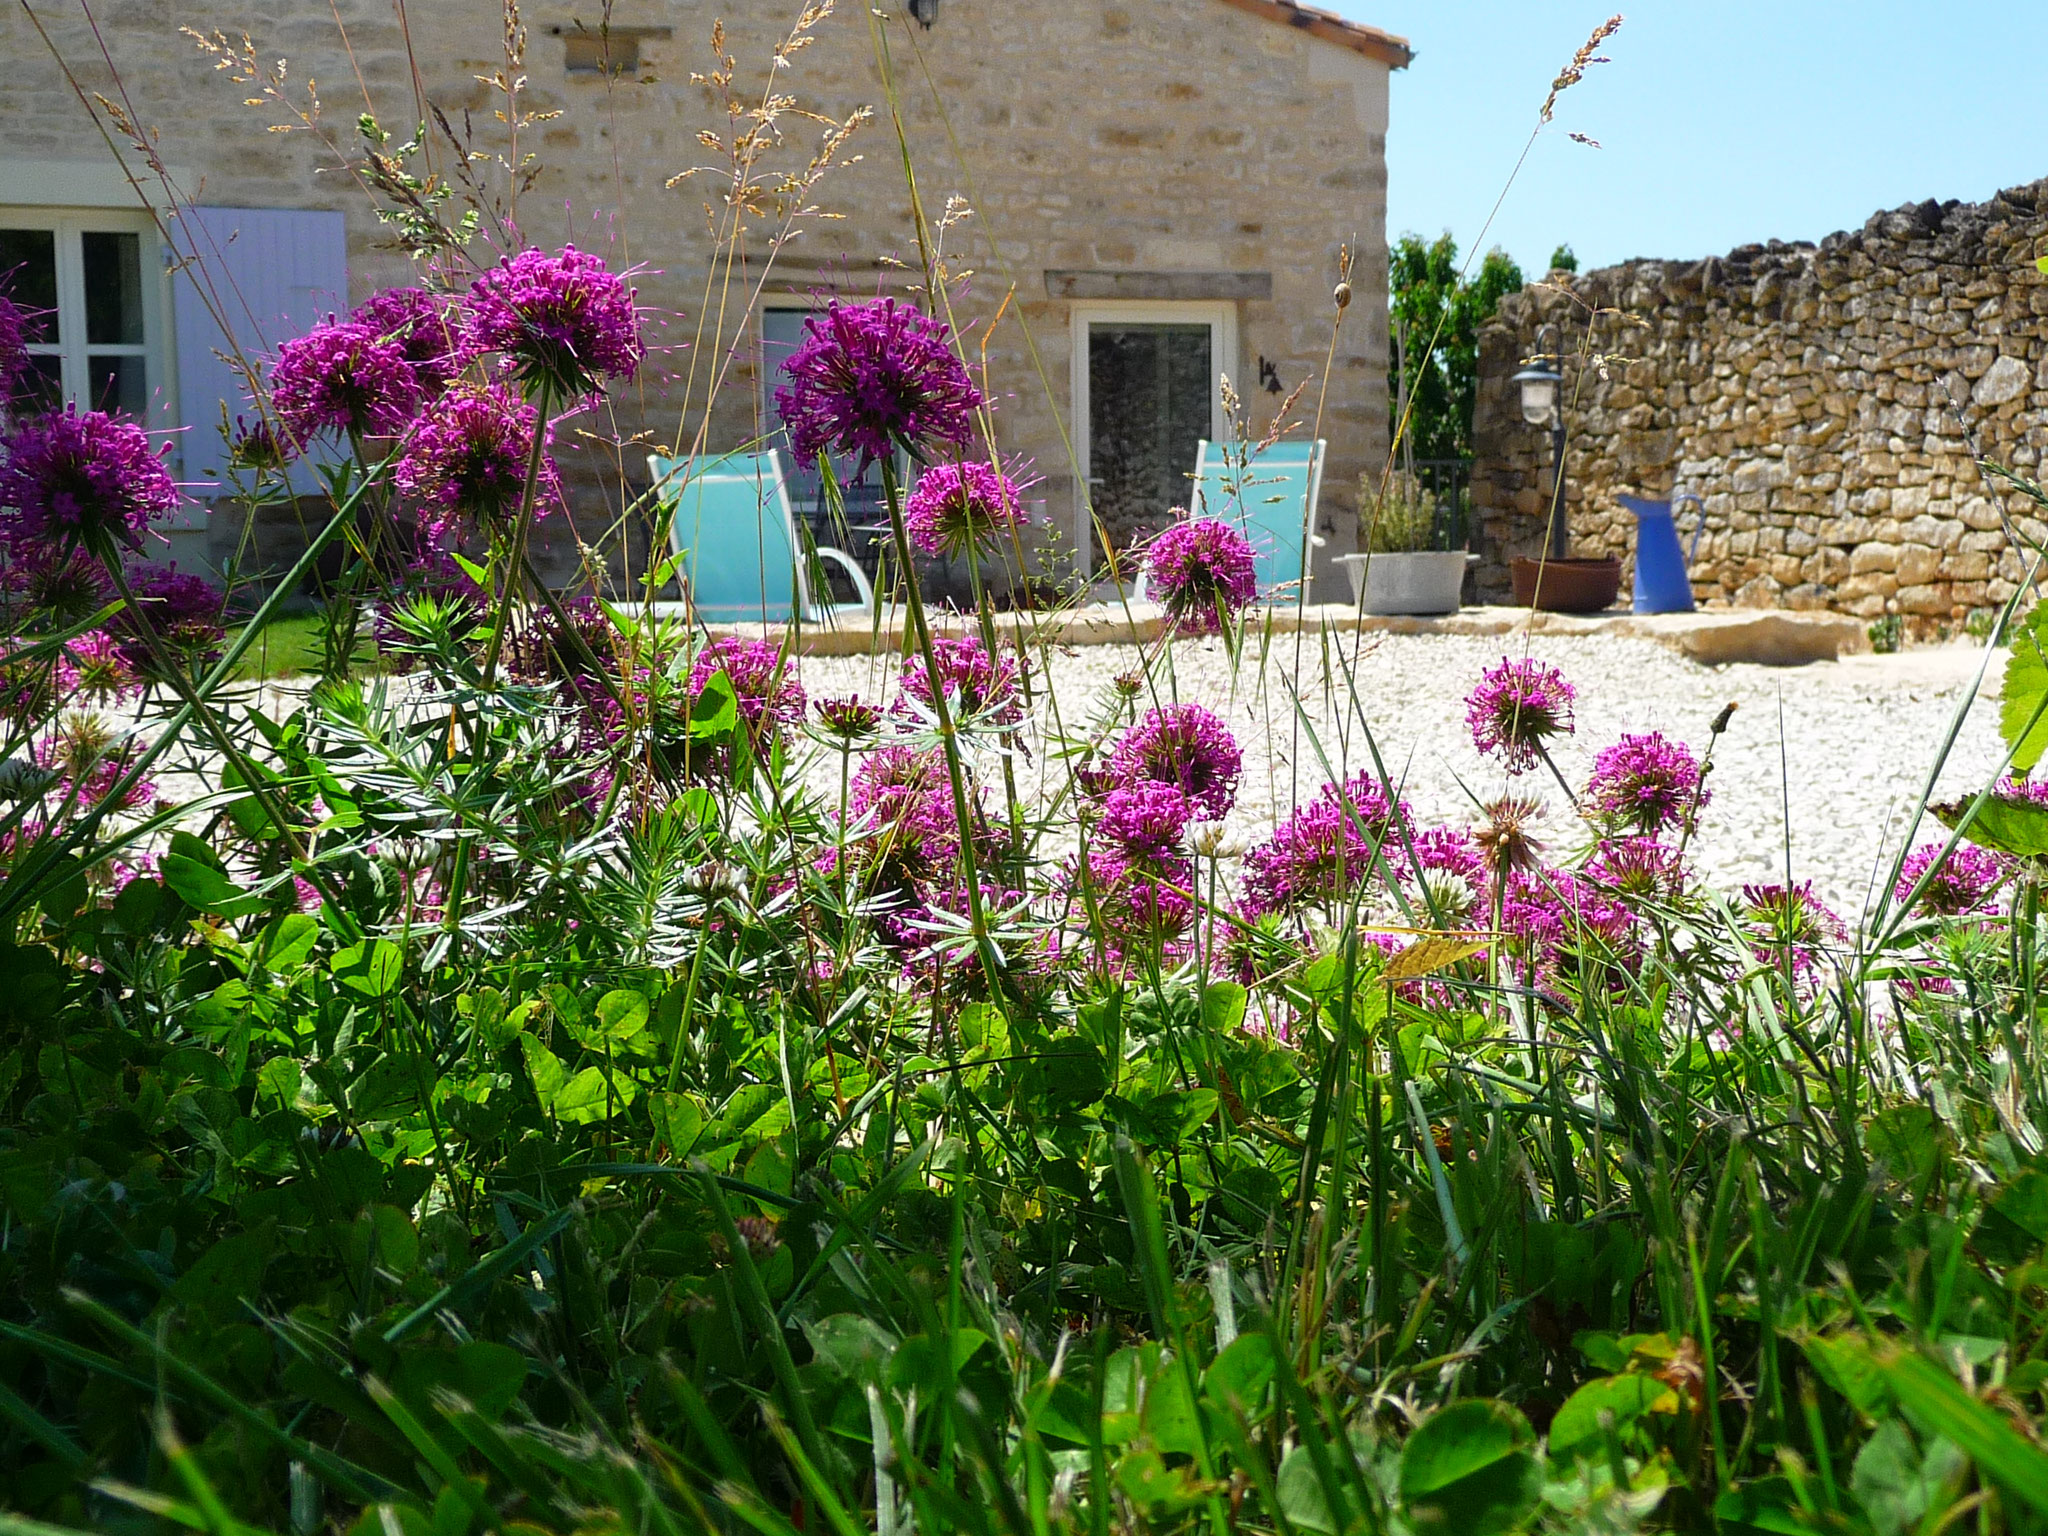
column 1541, row 385
column 923, row 12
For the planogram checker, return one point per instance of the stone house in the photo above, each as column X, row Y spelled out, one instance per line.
column 1155, row 196
column 1830, row 404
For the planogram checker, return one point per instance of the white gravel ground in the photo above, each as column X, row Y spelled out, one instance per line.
column 1844, row 747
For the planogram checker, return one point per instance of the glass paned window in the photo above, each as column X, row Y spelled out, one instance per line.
column 91, row 307
column 1149, row 389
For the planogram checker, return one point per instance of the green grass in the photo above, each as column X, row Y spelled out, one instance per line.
column 289, row 647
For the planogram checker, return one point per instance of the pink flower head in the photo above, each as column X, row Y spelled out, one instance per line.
column 1202, row 572
column 66, row 585
column 1146, row 820
column 423, row 326
column 186, row 611
column 90, row 763
column 962, row 507
column 1544, row 914
column 82, row 477
column 768, row 692
column 974, row 684
column 1963, row 883
column 1326, row 850
column 94, row 671
column 342, row 377
column 1516, row 707
column 1781, row 919
column 1137, row 898
column 565, row 322
column 850, row 719
column 1637, row 869
column 871, row 378
column 14, row 358
column 1644, row 784
column 467, row 456
column 1186, row 746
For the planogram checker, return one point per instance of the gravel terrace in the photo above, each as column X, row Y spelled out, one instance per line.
column 1844, row 746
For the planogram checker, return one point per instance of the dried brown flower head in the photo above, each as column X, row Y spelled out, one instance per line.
column 1583, row 60
column 1505, row 839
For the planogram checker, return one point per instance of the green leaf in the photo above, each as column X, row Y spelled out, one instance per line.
column 716, row 711
column 203, row 885
column 1301, row 1494
column 1935, row 1405
column 544, row 1067
column 1223, row 1005
column 1896, row 1485
column 1766, row 1506
column 1469, row 1470
column 2017, row 827
column 1911, row 1139
column 1240, row 1375
column 621, row 1014
column 371, row 968
column 2023, row 716
column 1576, row 1430
column 592, row 1095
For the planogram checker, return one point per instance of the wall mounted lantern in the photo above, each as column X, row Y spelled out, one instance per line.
column 1542, row 405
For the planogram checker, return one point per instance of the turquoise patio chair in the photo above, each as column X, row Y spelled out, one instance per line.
column 1276, row 500
column 731, row 526
column 1269, row 502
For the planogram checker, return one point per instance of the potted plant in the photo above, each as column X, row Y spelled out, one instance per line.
column 1404, row 569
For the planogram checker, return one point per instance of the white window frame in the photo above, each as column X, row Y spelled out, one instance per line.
column 68, row 225
column 1219, row 315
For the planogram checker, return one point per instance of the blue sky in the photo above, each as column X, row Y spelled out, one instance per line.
column 1721, row 121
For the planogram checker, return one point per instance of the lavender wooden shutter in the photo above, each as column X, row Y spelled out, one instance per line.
column 269, row 274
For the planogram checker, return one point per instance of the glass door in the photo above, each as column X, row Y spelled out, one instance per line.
column 1146, row 387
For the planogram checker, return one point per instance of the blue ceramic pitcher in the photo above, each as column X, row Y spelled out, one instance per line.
column 1661, row 583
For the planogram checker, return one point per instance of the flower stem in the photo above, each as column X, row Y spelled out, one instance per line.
column 181, row 685
column 522, row 523
column 948, row 736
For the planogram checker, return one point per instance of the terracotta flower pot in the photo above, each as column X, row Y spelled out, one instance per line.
column 1566, row 586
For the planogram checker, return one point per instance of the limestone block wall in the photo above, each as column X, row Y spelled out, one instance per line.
column 1828, row 402
column 1151, row 137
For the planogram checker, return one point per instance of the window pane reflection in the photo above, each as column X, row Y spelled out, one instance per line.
column 28, row 275
column 113, row 288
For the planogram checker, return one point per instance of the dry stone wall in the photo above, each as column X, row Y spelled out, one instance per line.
column 1829, row 403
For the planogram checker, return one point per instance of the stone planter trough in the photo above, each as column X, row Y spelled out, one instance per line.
column 1426, row 581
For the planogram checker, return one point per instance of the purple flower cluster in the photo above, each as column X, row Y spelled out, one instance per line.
column 1517, row 706
column 1146, row 901
column 1326, row 850
column 768, row 692
column 1186, row 746
column 82, row 477
column 960, row 507
column 1644, row 784
column 344, row 377
column 186, row 612
column 563, row 322
column 423, row 326
column 14, row 359
column 94, row 670
column 1202, row 572
column 849, row 719
column 974, row 683
column 871, row 378
column 1637, row 869
column 1145, row 820
column 467, row 455
column 1964, row 883
column 55, row 584
column 1789, row 918
column 1550, row 913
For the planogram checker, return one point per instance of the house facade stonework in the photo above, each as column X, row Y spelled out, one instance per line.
column 1829, row 403
column 1172, row 178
